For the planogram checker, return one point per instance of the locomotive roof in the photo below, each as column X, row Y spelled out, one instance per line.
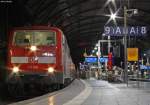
column 35, row 27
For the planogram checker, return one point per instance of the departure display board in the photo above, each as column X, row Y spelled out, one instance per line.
column 91, row 59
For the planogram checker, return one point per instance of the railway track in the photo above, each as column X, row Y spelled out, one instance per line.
column 6, row 99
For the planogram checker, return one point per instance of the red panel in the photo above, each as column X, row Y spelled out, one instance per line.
column 25, row 51
column 109, row 61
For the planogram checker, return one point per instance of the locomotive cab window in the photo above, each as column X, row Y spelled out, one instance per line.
column 34, row 37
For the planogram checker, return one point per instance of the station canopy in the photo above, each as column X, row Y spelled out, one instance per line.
column 82, row 21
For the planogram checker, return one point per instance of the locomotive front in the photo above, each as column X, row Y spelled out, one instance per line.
column 34, row 56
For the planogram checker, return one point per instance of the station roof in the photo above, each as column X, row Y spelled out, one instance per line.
column 82, row 21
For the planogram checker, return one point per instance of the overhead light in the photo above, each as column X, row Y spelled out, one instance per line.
column 97, row 53
column 95, row 48
column 113, row 16
column 96, row 45
column 135, row 11
column 93, row 51
column 111, row 0
column 103, row 34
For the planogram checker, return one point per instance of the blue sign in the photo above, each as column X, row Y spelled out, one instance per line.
column 144, row 67
column 91, row 59
column 103, row 59
column 120, row 31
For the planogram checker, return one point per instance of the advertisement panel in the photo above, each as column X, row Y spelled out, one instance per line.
column 132, row 54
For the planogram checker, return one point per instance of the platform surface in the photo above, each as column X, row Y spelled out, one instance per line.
column 58, row 97
column 105, row 93
column 95, row 92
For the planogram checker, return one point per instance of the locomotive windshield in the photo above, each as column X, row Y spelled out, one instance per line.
column 34, row 37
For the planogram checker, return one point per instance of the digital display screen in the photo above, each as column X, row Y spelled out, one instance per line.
column 103, row 59
column 95, row 59
column 144, row 67
column 91, row 59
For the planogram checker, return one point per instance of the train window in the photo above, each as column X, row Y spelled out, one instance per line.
column 21, row 38
column 26, row 40
column 44, row 38
column 34, row 37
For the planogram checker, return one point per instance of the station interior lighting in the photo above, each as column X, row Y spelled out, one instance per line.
column 97, row 45
column 113, row 16
column 110, row 1
column 95, row 48
column 93, row 51
column 91, row 55
column 97, row 53
column 135, row 11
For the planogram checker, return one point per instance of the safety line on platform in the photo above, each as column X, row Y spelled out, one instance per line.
column 79, row 99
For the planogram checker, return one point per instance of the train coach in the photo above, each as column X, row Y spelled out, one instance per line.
column 38, row 55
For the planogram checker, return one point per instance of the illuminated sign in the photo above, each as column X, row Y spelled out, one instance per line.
column 6, row 1
column 91, row 59
column 109, row 63
column 120, row 31
column 103, row 59
column 143, row 67
column 132, row 54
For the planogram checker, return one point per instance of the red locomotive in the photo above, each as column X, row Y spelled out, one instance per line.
column 39, row 55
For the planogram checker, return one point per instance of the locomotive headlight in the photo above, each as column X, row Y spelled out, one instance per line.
column 50, row 69
column 15, row 69
column 33, row 48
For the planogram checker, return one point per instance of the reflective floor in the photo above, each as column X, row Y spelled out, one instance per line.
column 98, row 92
column 56, row 98
column 105, row 93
